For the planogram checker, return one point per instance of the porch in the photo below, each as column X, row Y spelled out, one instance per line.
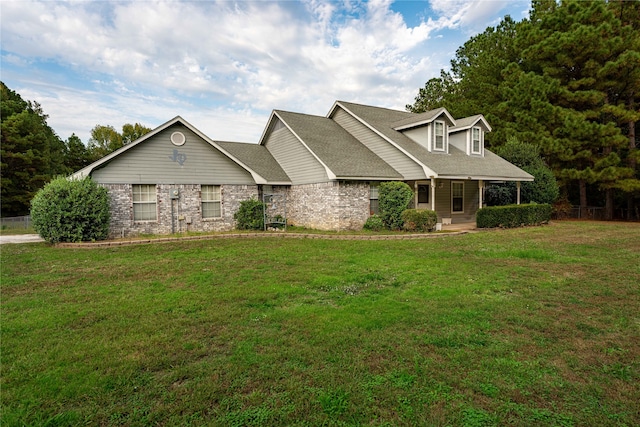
column 456, row 200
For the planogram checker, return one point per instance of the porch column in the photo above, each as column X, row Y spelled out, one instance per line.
column 433, row 194
column 518, row 192
column 415, row 194
column 480, row 188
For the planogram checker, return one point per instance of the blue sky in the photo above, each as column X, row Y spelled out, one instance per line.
column 224, row 65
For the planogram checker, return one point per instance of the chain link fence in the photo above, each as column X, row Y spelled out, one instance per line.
column 16, row 223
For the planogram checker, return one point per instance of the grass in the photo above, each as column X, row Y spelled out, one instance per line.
column 534, row 326
column 10, row 231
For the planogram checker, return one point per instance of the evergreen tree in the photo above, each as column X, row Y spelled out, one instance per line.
column 31, row 152
column 77, row 155
column 566, row 80
column 571, row 52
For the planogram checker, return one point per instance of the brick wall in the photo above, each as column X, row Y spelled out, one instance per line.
column 329, row 205
column 186, row 215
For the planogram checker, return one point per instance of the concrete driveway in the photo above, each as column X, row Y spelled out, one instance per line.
column 21, row 238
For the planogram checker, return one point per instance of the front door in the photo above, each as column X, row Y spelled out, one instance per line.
column 424, row 195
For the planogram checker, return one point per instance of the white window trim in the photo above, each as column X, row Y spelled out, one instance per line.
column 154, row 202
column 202, row 202
column 444, row 136
column 373, row 191
column 480, row 140
column 461, row 211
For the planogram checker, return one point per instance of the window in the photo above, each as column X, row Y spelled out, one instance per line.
column 476, row 145
column 210, row 195
column 457, row 197
column 373, row 199
column 439, row 136
column 144, row 202
column 423, row 193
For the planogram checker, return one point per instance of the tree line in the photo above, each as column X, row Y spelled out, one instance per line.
column 566, row 80
column 32, row 153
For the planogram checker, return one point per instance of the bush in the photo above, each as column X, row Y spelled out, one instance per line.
column 499, row 195
column 393, row 199
column 374, row 223
column 250, row 215
column 419, row 220
column 513, row 215
column 544, row 188
column 67, row 210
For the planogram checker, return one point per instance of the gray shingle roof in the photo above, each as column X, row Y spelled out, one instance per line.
column 258, row 158
column 455, row 164
column 467, row 122
column 343, row 154
column 425, row 117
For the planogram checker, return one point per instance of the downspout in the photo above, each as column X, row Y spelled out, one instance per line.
column 173, row 223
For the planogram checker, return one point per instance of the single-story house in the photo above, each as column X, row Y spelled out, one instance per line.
column 317, row 172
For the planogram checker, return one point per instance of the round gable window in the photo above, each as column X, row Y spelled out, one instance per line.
column 178, row 138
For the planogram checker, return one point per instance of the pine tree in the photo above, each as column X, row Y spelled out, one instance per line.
column 31, row 152
column 573, row 53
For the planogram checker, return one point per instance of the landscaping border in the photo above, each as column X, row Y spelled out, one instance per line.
column 115, row 243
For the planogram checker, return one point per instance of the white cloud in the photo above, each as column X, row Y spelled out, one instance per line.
column 222, row 65
column 472, row 16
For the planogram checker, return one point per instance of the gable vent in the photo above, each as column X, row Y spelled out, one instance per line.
column 178, row 138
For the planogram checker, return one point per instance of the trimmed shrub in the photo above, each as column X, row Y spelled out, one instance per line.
column 68, row 210
column 374, row 223
column 393, row 199
column 513, row 215
column 419, row 220
column 250, row 215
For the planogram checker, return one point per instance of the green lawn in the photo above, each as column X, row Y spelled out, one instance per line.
column 537, row 326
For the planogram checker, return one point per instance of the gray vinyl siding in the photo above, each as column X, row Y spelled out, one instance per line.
column 471, row 199
column 297, row 162
column 459, row 140
column 390, row 154
column 443, row 199
column 419, row 135
column 152, row 162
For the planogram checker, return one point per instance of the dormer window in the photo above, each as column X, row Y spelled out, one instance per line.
column 438, row 131
column 476, row 140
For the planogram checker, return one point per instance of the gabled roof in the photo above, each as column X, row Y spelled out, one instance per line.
column 258, row 158
column 86, row 171
column 416, row 120
column 454, row 165
column 342, row 154
column 468, row 122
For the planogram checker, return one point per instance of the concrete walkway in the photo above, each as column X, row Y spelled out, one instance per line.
column 20, row 238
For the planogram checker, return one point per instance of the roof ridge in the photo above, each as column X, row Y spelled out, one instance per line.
column 373, row 106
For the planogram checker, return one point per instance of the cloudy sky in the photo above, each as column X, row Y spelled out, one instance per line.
column 224, row 65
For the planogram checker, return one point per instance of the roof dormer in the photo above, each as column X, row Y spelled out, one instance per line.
column 429, row 129
column 468, row 135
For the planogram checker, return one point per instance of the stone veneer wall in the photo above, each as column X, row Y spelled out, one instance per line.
column 337, row 205
column 186, row 209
